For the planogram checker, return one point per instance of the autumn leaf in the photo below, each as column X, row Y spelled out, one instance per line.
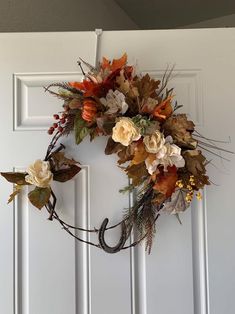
column 180, row 128
column 15, row 177
column 116, row 63
column 16, row 191
column 146, row 86
column 66, row 174
column 112, row 147
column 106, row 123
column 163, row 110
column 195, row 162
column 166, row 181
column 81, row 129
column 176, row 203
column 126, row 154
column 39, row 197
column 123, row 83
column 136, row 173
column 60, row 160
column 140, row 154
column 74, row 104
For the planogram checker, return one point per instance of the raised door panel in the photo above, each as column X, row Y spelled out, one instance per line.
column 186, row 272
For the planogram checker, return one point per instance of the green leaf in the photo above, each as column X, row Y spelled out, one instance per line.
column 80, row 128
column 66, row 174
column 15, row 177
column 39, row 197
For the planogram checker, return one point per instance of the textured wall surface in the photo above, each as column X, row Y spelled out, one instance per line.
column 59, row 15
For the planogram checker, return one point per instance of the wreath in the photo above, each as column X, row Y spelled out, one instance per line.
column 158, row 148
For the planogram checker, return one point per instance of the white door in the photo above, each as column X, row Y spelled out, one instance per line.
column 42, row 269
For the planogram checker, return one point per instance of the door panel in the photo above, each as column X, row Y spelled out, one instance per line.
column 173, row 280
column 190, row 269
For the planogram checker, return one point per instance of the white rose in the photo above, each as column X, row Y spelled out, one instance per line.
column 114, row 102
column 125, row 132
column 153, row 143
column 172, row 157
column 39, row 174
column 168, row 155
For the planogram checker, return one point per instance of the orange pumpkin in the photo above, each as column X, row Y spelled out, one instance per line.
column 89, row 110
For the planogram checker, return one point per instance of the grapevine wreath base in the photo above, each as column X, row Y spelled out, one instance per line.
column 158, row 148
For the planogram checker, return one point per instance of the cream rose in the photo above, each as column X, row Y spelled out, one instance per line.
column 125, row 132
column 39, row 174
column 154, row 143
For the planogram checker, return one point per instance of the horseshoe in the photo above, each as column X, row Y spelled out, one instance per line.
column 104, row 245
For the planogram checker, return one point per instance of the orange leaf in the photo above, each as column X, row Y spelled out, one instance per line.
column 119, row 63
column 164, row 109
column 105, row 64
column 116, row 64
column 140, row 154
column 166, row 182
column 83, row 86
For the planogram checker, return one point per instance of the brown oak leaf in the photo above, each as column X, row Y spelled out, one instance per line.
column 136, row 173
column 146, row 86
column 180, row 128
column 195, row 163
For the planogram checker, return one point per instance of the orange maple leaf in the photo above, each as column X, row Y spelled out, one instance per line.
column 90, row 88
column 116, row 63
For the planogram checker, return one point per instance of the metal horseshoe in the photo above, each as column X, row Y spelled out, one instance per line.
column 104, row 245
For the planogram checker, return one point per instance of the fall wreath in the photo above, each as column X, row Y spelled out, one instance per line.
column 158, row 148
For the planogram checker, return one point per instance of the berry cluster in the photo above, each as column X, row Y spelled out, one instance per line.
column 59, row 124
column 189, row 187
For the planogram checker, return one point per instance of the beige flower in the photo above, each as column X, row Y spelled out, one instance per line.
column 173, row 156
column 125, row 132
column 168, row 155
column 114, row 102
column 153, row 143
column 39, row 174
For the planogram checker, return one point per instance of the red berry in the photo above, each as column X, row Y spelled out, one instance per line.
column 62, row 120
column 55, row 125
column 56, row 116
column 50, row 131
column 60, row 129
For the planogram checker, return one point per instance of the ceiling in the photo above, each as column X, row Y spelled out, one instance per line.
column 155, row 14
